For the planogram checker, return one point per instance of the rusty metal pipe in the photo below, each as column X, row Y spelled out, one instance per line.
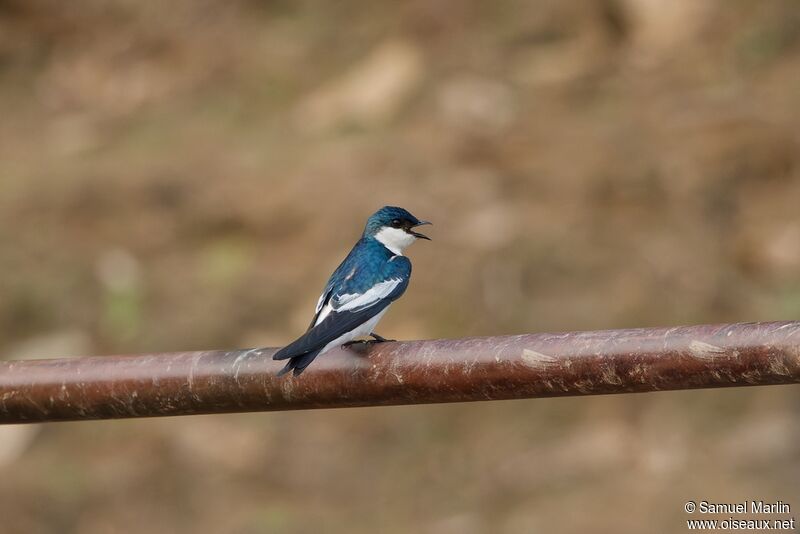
column 416, row 372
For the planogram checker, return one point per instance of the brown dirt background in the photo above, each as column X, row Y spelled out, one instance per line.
column 184, row 175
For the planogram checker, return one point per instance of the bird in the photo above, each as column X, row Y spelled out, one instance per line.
column 359, row 292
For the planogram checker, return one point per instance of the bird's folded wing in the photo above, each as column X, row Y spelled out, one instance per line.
column 347, row 311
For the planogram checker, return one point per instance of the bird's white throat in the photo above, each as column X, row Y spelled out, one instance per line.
column 395, row 239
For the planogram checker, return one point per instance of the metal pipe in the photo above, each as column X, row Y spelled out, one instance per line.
column 416, row 372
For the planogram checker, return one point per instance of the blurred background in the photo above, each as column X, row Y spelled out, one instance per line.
column 185, row 175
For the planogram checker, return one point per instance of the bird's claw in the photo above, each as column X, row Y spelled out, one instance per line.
column 365, row 342
column 381, row 339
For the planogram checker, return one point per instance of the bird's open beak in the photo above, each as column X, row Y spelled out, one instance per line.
column 419, row 235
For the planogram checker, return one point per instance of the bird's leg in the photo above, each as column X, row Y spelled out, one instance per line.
column 379, row 338
column 353, row 342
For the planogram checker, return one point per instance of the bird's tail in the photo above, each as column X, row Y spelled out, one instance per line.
column 299, row 363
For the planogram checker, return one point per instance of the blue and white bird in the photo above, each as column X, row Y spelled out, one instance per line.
column 360, row 290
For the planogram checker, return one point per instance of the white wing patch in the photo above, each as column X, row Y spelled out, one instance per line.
column 320, row 301
column 351, row 301
column 344, row 299
column 372, row 295
column 324, row 313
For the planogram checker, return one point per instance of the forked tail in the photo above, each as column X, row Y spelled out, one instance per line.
column 299, row 363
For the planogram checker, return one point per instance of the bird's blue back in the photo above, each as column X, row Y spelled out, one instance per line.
column 366, row 265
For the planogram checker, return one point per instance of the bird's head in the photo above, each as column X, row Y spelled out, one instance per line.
column 394, row 228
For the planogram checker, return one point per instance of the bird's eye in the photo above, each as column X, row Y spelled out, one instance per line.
column 396, row 223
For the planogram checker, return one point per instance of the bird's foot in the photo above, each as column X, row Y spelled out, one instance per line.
column 363, row 343
column 358, row 346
